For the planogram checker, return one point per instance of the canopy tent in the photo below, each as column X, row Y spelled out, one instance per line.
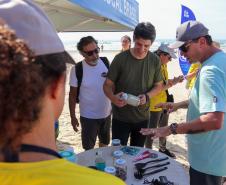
column 92, row 15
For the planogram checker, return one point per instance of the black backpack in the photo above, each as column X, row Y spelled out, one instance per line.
column 79, row 73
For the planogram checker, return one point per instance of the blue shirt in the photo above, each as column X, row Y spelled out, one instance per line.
column 207, row 150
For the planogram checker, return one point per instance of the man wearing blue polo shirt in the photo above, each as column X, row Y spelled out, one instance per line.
column 206, row 122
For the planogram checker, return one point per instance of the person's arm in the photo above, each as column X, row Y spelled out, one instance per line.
column 173, row 106
column 72, row 106
column 192, row 74
column 158, row 87
column 207, row 122
column 174, row 81
column 109, row 88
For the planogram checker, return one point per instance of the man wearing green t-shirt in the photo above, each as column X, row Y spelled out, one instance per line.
column 138, row 72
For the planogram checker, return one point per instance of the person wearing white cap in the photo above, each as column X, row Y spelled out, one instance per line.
column 206, row 123
column 159, row 117
column 32, row 91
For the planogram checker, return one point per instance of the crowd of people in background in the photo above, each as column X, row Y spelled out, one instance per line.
column 33, row 77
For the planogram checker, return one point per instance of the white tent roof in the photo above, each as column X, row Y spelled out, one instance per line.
column 91, row 15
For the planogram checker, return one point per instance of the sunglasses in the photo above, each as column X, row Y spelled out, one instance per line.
column 167, row 54
column 90, row 53
column 185, row 47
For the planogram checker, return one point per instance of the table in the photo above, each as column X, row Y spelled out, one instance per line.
column 175, row 172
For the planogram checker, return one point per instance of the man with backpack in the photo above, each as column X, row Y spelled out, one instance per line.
column 86, row 88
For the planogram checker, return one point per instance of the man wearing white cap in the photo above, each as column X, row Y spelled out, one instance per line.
column 159, row 117
column 205, row 126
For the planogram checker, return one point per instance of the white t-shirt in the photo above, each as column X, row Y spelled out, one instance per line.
column 93, row 103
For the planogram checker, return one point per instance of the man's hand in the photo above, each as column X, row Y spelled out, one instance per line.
column 176, row 80
column 170, row 107
column 143, row 99
column 75, row 124
column 156, row 132
column 118, row 101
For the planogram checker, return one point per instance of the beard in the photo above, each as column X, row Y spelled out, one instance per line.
column 93, row 62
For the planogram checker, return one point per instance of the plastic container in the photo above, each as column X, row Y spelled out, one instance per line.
column 99, row 161
column 117, row 155
column 121, row 169
column 110, row 169
column 131, row 99
column 69, row 155
column 116, row 145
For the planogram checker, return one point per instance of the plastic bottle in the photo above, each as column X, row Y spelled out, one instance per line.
column 99, row 161
column 116, row 145
column 131, row 99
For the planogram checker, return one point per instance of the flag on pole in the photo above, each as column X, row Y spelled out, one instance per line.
column 186, row 15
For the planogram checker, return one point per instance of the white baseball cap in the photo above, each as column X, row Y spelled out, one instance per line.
column 33, row 26
column 165, row 48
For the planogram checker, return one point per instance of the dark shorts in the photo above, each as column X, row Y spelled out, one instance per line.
column 91, row 128
column 198, row 178
column 123, row 130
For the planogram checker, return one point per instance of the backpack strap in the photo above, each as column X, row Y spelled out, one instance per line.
column 79, row 74
column 105, row 61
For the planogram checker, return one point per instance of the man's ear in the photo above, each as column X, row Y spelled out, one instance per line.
column 57, row 86
column 202, row 41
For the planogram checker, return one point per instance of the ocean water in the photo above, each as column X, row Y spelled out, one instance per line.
column 115, row 45
column 112, row 47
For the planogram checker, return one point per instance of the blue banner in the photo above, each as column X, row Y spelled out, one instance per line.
column 186, row 15
column 125, row 12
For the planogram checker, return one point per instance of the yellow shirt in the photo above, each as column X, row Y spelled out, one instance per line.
column 161, row 97
column 53, row 172
column 191, row 81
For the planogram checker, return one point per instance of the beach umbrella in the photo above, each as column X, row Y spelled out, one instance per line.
column 92, row 15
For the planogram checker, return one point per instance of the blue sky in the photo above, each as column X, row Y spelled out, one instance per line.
column 165, row 16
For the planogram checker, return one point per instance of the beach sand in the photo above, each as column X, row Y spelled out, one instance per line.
column 176, row 144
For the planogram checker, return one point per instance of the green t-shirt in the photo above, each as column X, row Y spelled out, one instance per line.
column 134, row 76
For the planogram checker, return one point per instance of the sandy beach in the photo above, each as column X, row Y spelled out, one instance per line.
column 176, row 144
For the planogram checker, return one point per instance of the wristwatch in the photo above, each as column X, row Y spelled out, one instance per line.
column 173, row 128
